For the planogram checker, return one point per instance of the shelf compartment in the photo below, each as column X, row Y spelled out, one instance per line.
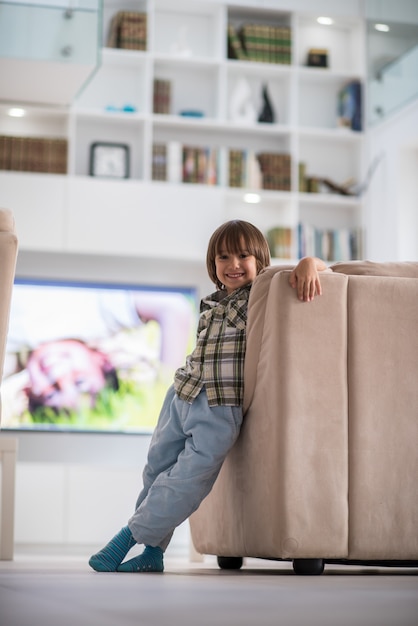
column 330, row 210
column 318, row 97
column 37, row 121
column 120, row 81
column 334, row 223
column 188, row 29
column 193, row 86
column 344, row 41
column 337, row 159
column 245, row 82
column 112, row 7
column 89, row 131
column 240, row 17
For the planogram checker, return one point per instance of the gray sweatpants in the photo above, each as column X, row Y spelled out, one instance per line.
column 185, row 456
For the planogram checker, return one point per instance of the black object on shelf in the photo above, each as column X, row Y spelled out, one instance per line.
column 317, row 57
column 267, row 115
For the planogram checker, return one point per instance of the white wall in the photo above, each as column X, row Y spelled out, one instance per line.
column 392, row 198
column 79, row 490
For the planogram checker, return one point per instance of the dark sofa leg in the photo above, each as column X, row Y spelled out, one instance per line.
column 230, row 562
column 308, row 567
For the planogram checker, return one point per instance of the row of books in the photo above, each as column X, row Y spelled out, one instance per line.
column 128, row 30
column 264, row 170
column 331, row 245
column 187, row 164
column 33, row 154
column 162, row 96
column 260, row 42
column 247, row 169
column 342, row 244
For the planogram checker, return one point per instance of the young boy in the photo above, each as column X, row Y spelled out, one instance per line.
column 202, row 413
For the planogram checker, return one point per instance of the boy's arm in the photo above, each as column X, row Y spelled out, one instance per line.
column 305, row 278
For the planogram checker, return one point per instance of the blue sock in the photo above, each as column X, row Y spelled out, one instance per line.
column 151, row 560
column 112, row 555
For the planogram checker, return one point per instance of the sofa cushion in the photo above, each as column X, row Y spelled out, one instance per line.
column 383, row 424
column 403, row 269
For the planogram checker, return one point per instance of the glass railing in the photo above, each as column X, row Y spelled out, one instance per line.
column 392, row 56
column 66, row 31
column 395, row 86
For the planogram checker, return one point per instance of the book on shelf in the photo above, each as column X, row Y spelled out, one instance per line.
column 341, row 244
column 281, row 241
column 236, row 167
column 174, row 162
column 264, row 43
column 33, row 154
column 5, row 152
column 200, row 165
column 244, row 169
column 128, row 30
column 159, row 161
column 275, row 170
column 302, row 177
column 235, row 48
column 349, row 106
column 162, row 96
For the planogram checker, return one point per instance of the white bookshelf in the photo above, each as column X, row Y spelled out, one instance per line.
column 187, row 44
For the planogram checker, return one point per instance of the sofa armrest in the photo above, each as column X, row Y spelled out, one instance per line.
column 8, row 257
column 266, row 501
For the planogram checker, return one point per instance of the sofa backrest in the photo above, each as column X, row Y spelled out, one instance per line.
column 402, row 269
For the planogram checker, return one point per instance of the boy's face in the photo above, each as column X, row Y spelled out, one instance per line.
column 235, row 269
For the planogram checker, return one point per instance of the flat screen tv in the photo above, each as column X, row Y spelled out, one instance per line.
column 93, row 357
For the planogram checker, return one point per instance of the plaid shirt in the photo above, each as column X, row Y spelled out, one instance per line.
column 217, row 362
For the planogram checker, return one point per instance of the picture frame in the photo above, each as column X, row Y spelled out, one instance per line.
column 109, row 160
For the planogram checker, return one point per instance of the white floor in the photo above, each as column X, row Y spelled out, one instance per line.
column 57, row 588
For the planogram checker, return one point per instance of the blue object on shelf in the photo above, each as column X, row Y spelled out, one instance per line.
column 191, row 113
column 127, row 108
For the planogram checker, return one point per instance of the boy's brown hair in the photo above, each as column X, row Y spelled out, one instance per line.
column 234, row 236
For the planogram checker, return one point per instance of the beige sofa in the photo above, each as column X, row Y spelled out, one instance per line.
column 8, row 444
column 326, row 466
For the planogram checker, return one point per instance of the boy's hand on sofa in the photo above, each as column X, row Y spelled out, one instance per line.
column 305, row 278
